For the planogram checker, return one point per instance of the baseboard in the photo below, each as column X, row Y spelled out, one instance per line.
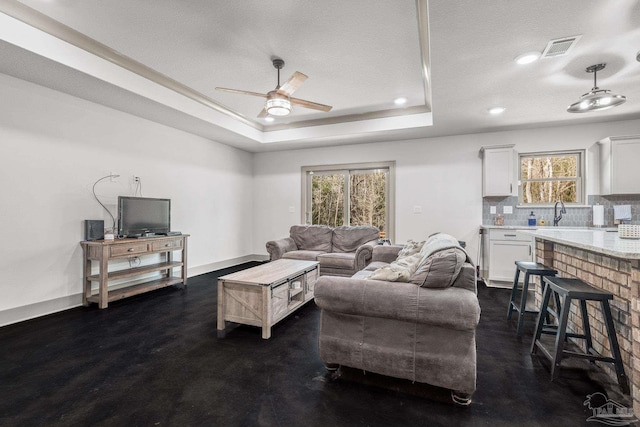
column 39, row 309
column 207, row 268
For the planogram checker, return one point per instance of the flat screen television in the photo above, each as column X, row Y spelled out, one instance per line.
column 143, row 216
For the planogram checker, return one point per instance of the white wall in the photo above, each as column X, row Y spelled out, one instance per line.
column 54, row 147
column 442, row 175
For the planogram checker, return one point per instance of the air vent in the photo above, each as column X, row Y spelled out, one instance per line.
column 560, row 47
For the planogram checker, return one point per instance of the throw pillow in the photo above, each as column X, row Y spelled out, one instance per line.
column 440, row 269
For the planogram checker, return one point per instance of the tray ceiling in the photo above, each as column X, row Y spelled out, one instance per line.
column 451, row 60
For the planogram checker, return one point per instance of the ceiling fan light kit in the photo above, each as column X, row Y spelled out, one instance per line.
column 278, row 106
column 597, row 99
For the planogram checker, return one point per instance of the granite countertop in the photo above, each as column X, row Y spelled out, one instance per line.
column 601, row 241
column 507, row 227
column 544, row 227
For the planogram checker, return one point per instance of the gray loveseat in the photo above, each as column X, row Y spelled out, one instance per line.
column 340, row 251
column 422, row 330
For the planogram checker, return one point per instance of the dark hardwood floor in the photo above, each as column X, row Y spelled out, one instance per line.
column 155, row 360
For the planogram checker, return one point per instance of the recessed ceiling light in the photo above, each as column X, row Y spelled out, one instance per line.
column 527, row 58
column 496, row 110
column 269, row 119
column 400, row 101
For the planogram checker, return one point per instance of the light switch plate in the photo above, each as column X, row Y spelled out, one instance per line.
column 492, row 209
column 507, row 210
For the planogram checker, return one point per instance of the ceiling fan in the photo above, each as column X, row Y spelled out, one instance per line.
column 279, row 100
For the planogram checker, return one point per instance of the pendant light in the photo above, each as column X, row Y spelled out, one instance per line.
column 597, row 99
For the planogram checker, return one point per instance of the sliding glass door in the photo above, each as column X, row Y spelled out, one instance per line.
column 328, row 190
column 357, row 195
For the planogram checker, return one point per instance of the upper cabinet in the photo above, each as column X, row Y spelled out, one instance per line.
column 498, row 170
column 618, row 164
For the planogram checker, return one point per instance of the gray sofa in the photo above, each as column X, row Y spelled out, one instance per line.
column 340, row 251
column 422, row 330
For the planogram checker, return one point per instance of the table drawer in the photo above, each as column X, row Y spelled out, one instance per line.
column 128, row 249
column 508, row 235
column 166, row 244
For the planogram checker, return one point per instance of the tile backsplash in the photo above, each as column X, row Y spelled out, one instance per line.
column 575, row 216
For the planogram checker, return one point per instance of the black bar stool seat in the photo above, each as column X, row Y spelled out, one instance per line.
column 576, row 289
column 529, row 269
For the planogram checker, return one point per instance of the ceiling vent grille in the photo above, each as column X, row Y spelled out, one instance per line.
column 559, row 47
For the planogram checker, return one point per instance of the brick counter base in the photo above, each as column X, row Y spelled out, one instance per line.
column 619, row 276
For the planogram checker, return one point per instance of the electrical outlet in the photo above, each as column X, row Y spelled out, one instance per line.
column 136, row 180
column 507, row 209
column 492, row 210
column 417, row 209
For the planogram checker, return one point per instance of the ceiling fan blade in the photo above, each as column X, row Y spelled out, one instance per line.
column 292, row 84
column 309, row 104
column 263, row 113
column 241, row 92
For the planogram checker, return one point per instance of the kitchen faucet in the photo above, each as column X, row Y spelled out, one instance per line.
column 557, row 217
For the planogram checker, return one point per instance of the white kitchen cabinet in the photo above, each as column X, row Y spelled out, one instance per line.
column 505, row 248
column 498, row 174
column 619, row 165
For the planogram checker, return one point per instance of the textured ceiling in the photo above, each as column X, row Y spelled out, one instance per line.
column 359, row 56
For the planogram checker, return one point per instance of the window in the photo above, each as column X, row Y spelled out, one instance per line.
column 546, row 178
column 355, row 194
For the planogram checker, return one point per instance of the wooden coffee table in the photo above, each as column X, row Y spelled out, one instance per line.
column 264, row 295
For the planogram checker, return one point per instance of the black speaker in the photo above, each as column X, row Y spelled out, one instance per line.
column 93, row 229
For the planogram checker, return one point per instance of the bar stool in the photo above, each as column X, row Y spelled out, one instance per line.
column 576, row 289
column 529, row 269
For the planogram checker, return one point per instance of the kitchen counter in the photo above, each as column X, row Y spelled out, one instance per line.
column 544, row 227
column 506, row 227
column 605, row 261
column 600, row 241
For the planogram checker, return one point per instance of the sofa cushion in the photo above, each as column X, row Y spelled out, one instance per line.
column 400, row 270
column 338, row 260
column 349, row 238
column 312, row 237
column 440, row 269
column 303, row 255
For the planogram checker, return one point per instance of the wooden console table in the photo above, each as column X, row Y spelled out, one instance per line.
column 104, row 251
